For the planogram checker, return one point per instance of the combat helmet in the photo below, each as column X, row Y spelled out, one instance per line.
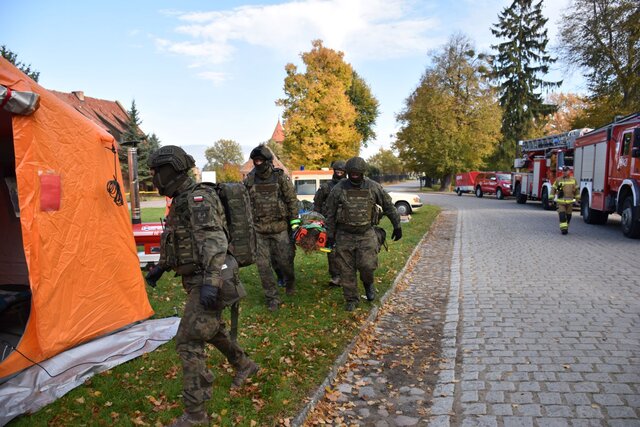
column 261, row 151
column 170, row 165
column 356, row 166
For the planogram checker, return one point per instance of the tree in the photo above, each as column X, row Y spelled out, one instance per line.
column 603, row 38
column 520, row 60
column 133, row 134
column 319, row 115
column 229, row 173
column 386, row 162
column 224, row 151
column 366, row 106
column 13, row 58
column 451, row 122
column 569, row 108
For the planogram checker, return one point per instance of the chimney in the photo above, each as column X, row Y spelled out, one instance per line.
column 79, row 94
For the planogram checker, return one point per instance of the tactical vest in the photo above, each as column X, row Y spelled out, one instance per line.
column 356, row 208
column 177, row 242
column 267, row 200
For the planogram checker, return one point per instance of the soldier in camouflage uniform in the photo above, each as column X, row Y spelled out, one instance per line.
column 351, row 214
column 319, row 205
column 275, row 214
column 194, row 245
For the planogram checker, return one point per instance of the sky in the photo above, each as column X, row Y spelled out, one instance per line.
column 200, row 71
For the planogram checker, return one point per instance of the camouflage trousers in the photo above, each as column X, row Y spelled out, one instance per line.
column 356, row 253
column 276, row 247
column 333, row 265
column 198, row 327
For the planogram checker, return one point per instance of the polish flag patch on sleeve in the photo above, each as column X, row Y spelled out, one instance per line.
column 198, row 198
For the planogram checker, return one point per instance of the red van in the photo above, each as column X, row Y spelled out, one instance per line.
column 498, row 183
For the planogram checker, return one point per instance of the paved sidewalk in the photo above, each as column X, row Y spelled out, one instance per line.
column 389, row 375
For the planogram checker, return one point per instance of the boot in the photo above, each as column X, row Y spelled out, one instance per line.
column 334, row 282
column 250, row 368
column 564, row 231
column 273, row 305
column 191, row 419
column 351, row 305
column 370, row 291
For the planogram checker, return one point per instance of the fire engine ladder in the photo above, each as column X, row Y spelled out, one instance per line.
column 563, row 140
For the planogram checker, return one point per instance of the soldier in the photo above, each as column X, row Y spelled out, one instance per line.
column 194, row 245
column 566, row 194
column 275, row 214
column 351, row 213
column 319, row 205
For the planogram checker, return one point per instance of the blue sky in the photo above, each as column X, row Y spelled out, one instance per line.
column 200, row 71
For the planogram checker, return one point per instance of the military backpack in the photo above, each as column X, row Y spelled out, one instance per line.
column 237, row 208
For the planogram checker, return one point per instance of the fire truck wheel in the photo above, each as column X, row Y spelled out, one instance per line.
column 591, row 216
column 629, row 219
column 499, row 194
column 546, row 205
column 458, row 192
column 478, row 191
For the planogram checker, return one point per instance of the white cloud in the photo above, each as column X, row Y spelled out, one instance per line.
column 214, row 76
column 360, row 28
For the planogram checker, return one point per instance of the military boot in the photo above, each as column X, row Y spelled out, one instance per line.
column 334, row 282
column 370, row 291
column 273, row 305
column 249, row 369
column 351, row 305
column 191, row 419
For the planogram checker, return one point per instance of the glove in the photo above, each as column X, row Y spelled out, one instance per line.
column 397, row 234
column 330, row 243
column 209, row 297
column 294, row 223
column 154, row 275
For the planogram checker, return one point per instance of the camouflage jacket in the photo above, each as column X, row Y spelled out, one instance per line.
column 353, row 209
column 195, row 238
column 273, row 200
column 320, row 198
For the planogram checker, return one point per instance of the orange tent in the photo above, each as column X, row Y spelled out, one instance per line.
column 68, row 265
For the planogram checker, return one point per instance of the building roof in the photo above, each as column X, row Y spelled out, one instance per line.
column 278, row 133
column 109, row 115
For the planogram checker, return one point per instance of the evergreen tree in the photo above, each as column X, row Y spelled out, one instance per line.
column 13, row 58
column 133, row 134
column 520, row 64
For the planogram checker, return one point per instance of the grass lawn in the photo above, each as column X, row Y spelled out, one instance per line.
column 295, row 347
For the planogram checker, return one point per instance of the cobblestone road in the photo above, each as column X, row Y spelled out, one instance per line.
column 539, row 329
column 546, row 327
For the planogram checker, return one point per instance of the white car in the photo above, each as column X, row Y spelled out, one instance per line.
column 405, row 203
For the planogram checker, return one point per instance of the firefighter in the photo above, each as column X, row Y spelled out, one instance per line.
column 194, row 245
column 352, row 212
column 566, row 193
column 275, row 214
column 319, row 205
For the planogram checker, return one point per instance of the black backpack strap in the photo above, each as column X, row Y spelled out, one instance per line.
column 235, row 311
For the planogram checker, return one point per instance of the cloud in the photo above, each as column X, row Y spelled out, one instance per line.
column 360, row 28
column 214, row 76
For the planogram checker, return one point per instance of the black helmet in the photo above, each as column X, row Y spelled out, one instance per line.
column 339, row 165
column 172, row 155
column 356, row 164
column 170, row 165
column 261, row 151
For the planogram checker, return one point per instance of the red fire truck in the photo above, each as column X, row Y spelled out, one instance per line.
column 607, row 166
column 541, row 162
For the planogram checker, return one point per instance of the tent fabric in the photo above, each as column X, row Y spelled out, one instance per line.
column 72, row 368
column 78, row 245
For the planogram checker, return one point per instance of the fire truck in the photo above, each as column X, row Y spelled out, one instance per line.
column 541, row 162
column 607, row 167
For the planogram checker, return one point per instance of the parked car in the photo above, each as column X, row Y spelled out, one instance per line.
column 498, row 183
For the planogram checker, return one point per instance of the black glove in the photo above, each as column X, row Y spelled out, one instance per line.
column 330, row 243
column 209, row 297
column 154, row 275
column 397, row 234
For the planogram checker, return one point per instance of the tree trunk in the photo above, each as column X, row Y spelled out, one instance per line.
column 445, row 182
